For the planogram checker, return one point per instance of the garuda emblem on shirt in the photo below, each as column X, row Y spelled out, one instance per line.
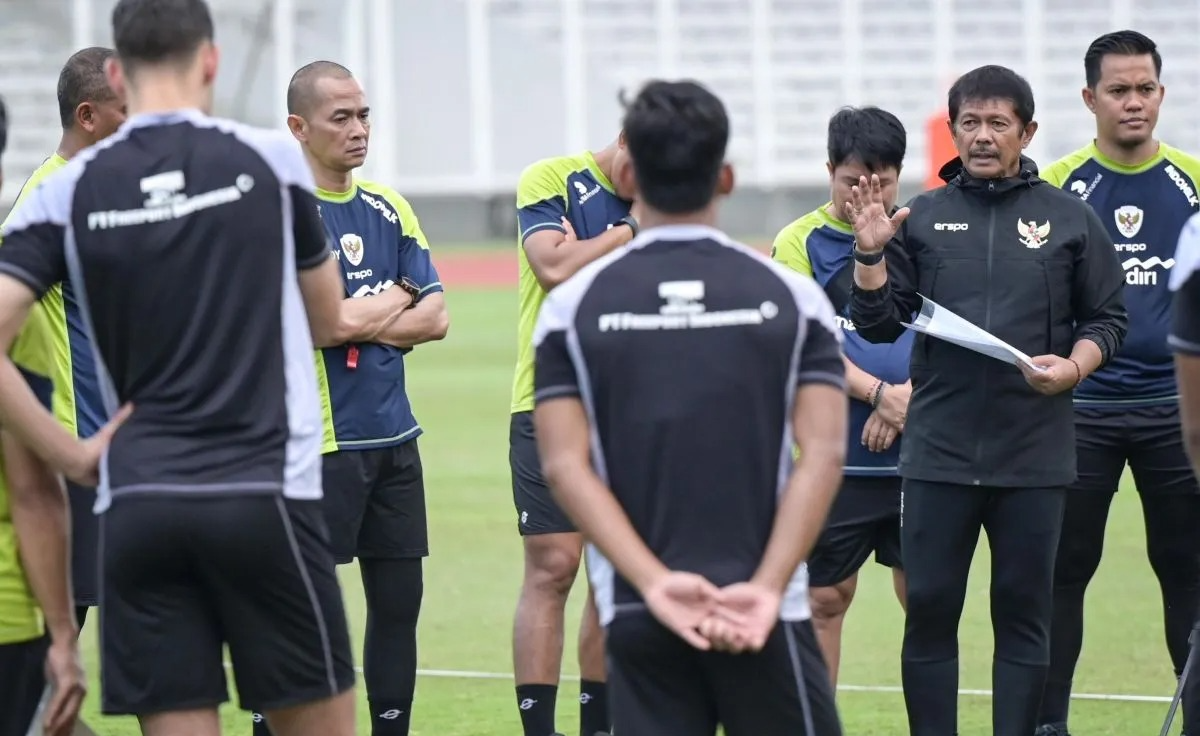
column 1032, row 234
column 1129, row 220
column 352, row 246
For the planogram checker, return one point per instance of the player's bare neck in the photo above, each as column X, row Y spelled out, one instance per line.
column 72, row 142
column 604, row 160
column 653, row 218
column 1128, row 155
column 165, row 90
column 337, row 182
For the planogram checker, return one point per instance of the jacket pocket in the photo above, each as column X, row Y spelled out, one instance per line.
column 1059, row 318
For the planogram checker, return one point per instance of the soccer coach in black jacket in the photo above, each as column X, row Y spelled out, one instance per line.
column 985, row 445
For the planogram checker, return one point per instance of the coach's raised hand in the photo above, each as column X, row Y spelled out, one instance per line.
column 866, row 212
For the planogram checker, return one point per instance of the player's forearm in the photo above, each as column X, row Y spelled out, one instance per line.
column 572, row 255
column 426, row 322
column 802, row 511
column 859, row 383
column 42, row 523
column 595, row 511
column 1087, row 355
column 24, row 416
column 359, row 320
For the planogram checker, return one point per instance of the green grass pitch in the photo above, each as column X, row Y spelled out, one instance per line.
column 460, row 389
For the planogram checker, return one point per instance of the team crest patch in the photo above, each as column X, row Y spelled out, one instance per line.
column 1129, row 220
column 352, row 246
column 1032, row 234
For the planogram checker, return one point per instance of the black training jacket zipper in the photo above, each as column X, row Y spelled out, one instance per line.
column 987, row 319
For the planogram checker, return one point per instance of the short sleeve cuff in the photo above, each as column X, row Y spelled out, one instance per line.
column 837, row 380
column 25, row 277
column 565, row 391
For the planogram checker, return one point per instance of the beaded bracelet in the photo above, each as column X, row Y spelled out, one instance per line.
column 877, row 394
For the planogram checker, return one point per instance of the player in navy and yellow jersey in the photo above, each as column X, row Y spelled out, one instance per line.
column 1127, row 413
column 89, row 111
column 38, row 627
column 569, row 213
column 374, row 484
column 865, row 517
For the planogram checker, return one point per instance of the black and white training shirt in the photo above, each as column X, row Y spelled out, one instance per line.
column 182, row 235
column 687, row 350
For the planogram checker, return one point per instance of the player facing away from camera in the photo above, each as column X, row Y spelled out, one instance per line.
column 371, row 470
column 865, row 517
column 1127, row 413
column 570, row 212
column 203, row 277
column 682, row 480
column 90, row 111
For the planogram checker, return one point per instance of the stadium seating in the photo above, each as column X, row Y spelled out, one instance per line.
column 782, row 67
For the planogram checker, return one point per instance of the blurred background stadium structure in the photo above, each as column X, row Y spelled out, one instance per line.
column 465, row 93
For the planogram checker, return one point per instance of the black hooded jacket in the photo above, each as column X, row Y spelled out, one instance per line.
column 1029, row 263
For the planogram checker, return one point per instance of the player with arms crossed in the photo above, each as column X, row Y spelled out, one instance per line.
column 374, row 484
column 570, row 213
column 682, row 480
column 90, row 111
column 865, row 517
column 203, row 276
column 1128, row 411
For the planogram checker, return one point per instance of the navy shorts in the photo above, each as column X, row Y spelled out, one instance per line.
column 864, row 520
column 375, row 503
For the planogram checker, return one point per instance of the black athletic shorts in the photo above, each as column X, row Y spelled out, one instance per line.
column 865, row 518
column 183, row 577
column 658, row 684
column 375, row 503
column 537, row 513
column 85, row 541
column 1148, row 439
column 22, row 681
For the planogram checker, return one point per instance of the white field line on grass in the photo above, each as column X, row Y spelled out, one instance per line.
column 1115, row 697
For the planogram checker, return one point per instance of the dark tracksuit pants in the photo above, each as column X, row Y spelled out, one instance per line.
column 940, row 525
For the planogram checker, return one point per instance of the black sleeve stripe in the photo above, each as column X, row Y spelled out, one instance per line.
column 314, row 261
column 25, row 278
column 556, row 392
column 831, row 379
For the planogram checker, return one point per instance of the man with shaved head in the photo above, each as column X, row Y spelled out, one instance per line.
column 374, row 487
column 90, row 111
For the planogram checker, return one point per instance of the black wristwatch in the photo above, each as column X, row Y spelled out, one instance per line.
column 632, row 223
column 867, row 259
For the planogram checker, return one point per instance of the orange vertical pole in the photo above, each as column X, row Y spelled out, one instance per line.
column 939, row 147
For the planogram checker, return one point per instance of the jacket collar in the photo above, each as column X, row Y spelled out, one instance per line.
column 955, row 174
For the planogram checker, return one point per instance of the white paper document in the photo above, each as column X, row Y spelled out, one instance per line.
column 937, row 321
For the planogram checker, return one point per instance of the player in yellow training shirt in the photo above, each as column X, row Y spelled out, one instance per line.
column 89, row 111
column 38, row 629
column 569, row 214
